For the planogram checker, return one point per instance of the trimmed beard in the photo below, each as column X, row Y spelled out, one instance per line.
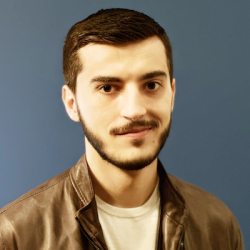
column 130, row 164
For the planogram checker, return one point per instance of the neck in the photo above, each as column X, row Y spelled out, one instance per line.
column 118, row 187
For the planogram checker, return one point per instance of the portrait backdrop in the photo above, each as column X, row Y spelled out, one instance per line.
column 209, row 141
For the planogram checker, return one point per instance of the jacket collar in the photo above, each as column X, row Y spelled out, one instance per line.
column 173, row 211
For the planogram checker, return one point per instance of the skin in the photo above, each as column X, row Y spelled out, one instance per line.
column 115, row 89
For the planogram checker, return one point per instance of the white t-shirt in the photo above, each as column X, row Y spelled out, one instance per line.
column 131, row 228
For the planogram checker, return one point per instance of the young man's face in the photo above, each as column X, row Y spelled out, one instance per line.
column 125, row 99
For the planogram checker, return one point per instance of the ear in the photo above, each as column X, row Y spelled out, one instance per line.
column 173, row 93
column 70, row 103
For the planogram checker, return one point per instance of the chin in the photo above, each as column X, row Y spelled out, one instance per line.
column 131, row 164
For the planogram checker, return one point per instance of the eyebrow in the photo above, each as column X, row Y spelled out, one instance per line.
column 152, row 75
column 108, row 79
column 105, row 79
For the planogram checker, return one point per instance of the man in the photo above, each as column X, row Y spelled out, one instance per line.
column 118, row 71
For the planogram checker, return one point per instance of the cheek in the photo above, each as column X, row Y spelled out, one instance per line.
column 160, row 105
column 97, row 115
column 161, row 111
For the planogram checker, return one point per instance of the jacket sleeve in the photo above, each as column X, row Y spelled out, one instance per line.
column 235, row 235
column 2, row 246
column 7, row 236
column 240, row 243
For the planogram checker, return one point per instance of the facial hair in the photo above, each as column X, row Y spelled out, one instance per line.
column 128, row 164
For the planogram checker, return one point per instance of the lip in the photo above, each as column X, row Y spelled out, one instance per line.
column 136, row 133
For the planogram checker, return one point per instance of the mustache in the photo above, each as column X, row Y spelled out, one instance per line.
column 134, row 124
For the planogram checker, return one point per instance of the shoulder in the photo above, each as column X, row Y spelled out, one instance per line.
column 201, row 202
column 32, row 208
column 196, row 197
column 208, row 216
column 32, row 197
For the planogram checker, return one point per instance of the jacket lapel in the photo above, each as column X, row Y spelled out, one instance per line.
column 173, row 213
column 87, row 215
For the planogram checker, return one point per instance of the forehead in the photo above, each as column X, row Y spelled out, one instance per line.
column 140, row 57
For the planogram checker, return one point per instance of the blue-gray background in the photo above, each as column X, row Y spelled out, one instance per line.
column 210, row 137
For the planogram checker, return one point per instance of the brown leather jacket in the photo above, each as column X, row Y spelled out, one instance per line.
column 62, row 214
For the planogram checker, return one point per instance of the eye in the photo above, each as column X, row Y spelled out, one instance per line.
column 106, row 88
column 152, row 85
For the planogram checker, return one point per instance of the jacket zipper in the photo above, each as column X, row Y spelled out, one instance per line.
column 86, row 235
column 182, row 246
column 182, row 243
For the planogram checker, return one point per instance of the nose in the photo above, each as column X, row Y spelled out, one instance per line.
column 132, row 104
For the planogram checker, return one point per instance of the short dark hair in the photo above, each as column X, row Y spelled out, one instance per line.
column 109, row 26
